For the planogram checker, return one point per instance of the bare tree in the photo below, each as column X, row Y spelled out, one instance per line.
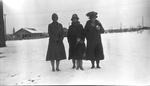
column 2, row 33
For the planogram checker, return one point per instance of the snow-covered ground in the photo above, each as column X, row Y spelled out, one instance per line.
column 127, row 62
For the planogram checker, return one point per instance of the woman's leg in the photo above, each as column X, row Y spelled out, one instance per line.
column 57, row 65
column 78, row 64
column 73, row 61
column 97, row 62
column 81, row 65
column 53, row 66
column 93, row 66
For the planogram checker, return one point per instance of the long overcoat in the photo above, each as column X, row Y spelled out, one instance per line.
column 94, row 49
column 76, row 49
column 56, row 50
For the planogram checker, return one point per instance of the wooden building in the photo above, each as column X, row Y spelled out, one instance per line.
column 28, row 33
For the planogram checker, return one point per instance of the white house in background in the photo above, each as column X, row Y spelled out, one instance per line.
column 28, row 33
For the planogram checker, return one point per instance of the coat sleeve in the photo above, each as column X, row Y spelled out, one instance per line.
column 86, row 29
column 51, row 35
column 61, row 36
column 69, row 35
column 82, row 33
column 101, row 27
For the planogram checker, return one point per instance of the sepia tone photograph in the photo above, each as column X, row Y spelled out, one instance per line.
column 75, row 42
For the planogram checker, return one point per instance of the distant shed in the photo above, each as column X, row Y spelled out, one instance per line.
column 28, row 33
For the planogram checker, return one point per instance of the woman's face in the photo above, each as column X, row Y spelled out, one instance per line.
column 74, row 20
column 55, row 19
column 93, row 19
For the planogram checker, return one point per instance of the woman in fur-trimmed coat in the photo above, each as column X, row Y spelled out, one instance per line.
column 93, row 29
column 76, row 42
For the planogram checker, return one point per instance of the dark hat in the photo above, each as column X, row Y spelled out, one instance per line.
column 75, row 16
column 91, row 14
column 54, row 15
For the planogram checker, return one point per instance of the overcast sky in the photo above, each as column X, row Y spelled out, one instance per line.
column 37, row 13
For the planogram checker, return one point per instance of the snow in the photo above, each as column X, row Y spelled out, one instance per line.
column 127, row 62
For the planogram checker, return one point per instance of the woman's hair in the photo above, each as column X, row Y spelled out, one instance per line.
column 75, row 16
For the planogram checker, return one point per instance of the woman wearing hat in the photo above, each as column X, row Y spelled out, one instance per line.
column 56, row 50
column 93, row 29
column 76, row 42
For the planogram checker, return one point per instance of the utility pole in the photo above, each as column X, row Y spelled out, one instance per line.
column 2, row 31
column 13, row 30
column 5, row 23
column 142, row 22
column 121, row 25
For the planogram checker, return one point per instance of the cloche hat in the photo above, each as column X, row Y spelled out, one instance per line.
column 75, row 16
column 54, row 15
column 91, row 14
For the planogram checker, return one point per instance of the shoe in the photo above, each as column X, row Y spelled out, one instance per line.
column 77, row 68
column 57, row 69
column 53, row 70
column 73, row 67
column 81, row 68
column 98, row 67
column 92, row 67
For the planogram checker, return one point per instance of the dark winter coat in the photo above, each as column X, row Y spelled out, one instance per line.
column 76, row 49
column 94, row 45
column 56, row 50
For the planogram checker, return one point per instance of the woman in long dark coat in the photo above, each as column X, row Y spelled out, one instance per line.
column 93, row 29
column 76, row 42
column 56, row 50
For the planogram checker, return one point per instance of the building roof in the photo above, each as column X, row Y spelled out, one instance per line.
column 32, row 30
